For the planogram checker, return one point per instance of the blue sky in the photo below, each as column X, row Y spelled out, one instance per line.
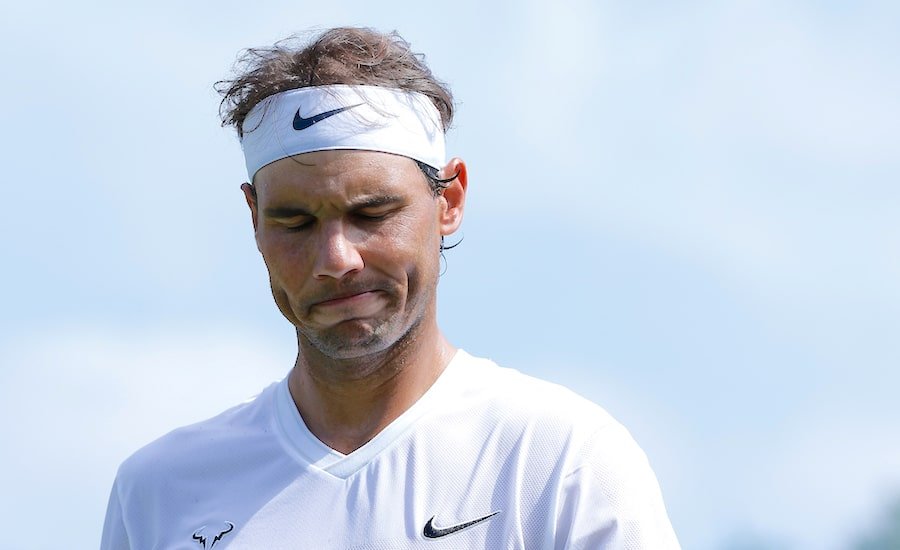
column 685, row 212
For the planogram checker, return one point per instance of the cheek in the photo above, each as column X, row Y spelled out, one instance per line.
column 413, row 246
column 422, row 263
column 285, row 260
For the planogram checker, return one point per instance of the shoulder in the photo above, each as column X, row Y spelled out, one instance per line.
column 190, row 447
column 605, row 492
column 558, row 425
column 520, row 396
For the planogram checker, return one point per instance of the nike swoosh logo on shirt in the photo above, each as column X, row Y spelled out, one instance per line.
column 301, row 123
column 432, row 532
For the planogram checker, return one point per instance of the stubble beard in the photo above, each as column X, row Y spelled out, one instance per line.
column 356, row 347
column 355, row 340
column 342, row 342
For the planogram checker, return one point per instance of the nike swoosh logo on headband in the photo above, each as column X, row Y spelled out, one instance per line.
column 301, row 123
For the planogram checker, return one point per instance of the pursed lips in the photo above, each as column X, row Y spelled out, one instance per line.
column 346, row 306
column 344, row 298
column 347, row 295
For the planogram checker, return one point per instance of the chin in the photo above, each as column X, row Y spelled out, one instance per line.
column 350, row 342
column 358, row 338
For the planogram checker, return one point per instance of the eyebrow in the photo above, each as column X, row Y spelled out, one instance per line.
column 375, row 202
column 366, row 202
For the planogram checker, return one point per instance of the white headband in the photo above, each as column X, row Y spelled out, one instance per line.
column 370, row 118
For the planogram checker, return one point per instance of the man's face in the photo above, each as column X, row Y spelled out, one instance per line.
column 351, row 240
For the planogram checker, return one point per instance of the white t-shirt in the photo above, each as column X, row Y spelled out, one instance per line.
column 487, row 458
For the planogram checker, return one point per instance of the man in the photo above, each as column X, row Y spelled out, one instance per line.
column 383, row 435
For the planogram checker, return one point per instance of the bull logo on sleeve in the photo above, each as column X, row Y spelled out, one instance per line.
column 202, row 537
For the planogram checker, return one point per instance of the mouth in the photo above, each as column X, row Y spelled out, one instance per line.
column 346, row 299
column 358, row 304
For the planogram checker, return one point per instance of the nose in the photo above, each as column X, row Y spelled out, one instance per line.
column 337, row 255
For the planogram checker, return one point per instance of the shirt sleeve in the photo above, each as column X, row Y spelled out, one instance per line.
column 611, row 499
column 114, row 535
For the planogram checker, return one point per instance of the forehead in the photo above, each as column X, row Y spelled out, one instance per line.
column 337, row 175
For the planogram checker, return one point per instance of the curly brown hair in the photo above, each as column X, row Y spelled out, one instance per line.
column 343, row 55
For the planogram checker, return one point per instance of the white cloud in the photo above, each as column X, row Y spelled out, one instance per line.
column 554, row 54
column 788, row 77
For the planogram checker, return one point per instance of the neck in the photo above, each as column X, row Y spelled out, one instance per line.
column 347, row 402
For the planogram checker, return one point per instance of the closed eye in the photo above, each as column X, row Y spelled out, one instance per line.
column 375, row 214
column 298, row 227
column 372, row 217
column 296, row 223
column 376, row 208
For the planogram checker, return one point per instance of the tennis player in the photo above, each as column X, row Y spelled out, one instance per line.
column 383, row 435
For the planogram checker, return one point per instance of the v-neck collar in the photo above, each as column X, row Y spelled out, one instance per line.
column 310, row 451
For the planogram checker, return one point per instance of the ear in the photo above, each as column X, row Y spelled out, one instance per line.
column 453, row 197
column 250, row 196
